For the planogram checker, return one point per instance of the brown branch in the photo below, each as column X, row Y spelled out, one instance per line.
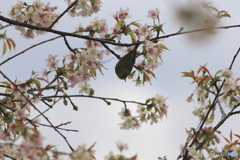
column 193, row 31
column 231, row 113
column 67, row 44
column 96, row 97
column 58, row 127
column 14, row 22
column 35, row 45
column 2, row 27
column 9, row 157
column 37, row 110
column 56, row 20
column 210, row 109
column 104, row 45
column 55, row 78
column 5, row 94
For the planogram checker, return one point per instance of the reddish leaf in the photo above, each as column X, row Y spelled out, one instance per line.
column 231, row 136
column 42, row 79
column 9, row 44
column 133, row 158
column 135, row 24
column 226, row 140
column 49, row 147
column 188, row 74
column 12, row 42
column 91, row 147
column 202, row 68
column 237, row 135
column 150, row 73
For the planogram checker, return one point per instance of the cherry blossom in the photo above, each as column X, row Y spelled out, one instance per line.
column 52, row 61
column 122, row 146
column 122, row 14
column 154, row 14
column 73, row 79
column 84, row 88
column 193, row 153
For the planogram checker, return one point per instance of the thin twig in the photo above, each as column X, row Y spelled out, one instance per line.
column 66, row 10
column 96, row 97
column 104, row 45
column 37, row 110
column 67, row 44
column 211, row 107
column 221, row 108
column 9, row 157
column 35, row 45
column 2, row 27
column 45, row 125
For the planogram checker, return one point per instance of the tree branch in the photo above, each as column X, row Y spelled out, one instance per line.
column 56, row 20
column 13, row 22
column 207, row 114
column 37, row 110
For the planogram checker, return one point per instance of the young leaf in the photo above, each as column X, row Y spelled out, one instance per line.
column 12, row 42
column 9, row 44
column 4, row 48
column 38, row 85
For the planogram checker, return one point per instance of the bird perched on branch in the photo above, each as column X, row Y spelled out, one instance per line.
column 124, row 66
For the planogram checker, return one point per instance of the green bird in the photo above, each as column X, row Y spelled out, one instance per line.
column 124, row 66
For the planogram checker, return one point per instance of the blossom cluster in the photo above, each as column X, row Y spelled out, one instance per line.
column 231, row 150
column 37, row 13
column 16, row 109
column 223, row 87
column 80, row 67
column 82, row 153
column 152, row 51
column 29, row 149
column 84, row 8
column 120, row 146
column 153, row 55
column 122, row 14
column 228, row 97
column 154, row 111
column 32, row 148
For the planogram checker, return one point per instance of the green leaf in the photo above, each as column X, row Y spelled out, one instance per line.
column 4, row 48
column 164, row 47
column 33, row 72
column 38, row 85
column 6, row 83
column 133, row 36
column 93, row 72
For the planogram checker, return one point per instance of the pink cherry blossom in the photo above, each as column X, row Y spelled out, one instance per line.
column 52, row 61
column 122, row 14
column 154, row 14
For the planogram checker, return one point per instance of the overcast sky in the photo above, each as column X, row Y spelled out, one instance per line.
column 98, row 122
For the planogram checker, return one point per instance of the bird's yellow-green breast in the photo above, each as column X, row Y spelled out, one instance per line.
column 124, row 66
